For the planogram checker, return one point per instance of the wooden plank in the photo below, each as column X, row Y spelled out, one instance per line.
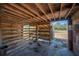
column 13, row 42
column 36, row 32
column 11, row 39
column 26, row 6
column 11, row 35
column 10, row 16
column 16, row 14
column 0, row 38
column 25, row 11
column 70, row 10
column 39, row 6
column 61, row 6
column 15, row 10
column 52, row 12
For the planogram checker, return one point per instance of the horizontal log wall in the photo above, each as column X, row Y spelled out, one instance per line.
column 44, row 32
column 26, row 32
column 11, row 36
column 15, row 36
column 29, row 32
column 32, row 32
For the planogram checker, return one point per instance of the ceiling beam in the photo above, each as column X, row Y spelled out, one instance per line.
column 28, row 20
column 52, row 12
column 26, row 6
column 16, row 14
column 8, row 9
column 23, row 15
column 70, row 10
column 39, row 6
column 11, row 10
column 25, row 11
column 16, row 19
column 10, row 15
column 61, row 7
column 56, row 13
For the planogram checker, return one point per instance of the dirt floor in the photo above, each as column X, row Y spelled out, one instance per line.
column 42, row 48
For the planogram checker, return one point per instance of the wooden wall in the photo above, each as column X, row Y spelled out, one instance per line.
column 15, row 36
column 44, row 31
column 11, row 35
column 75, row 19
column 36, row 32
column 29, row 32
column 0, row 37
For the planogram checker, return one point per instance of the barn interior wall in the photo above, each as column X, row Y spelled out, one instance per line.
column 44, row 31
column 11, row 35
column 75, row 19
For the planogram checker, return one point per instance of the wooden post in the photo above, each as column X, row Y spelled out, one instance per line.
column 0, row 36
column 70, row 36
column 1, row 13
column 29, row 32
column 49, row 33
column 36, row 32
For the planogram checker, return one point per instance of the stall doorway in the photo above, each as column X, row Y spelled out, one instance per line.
column 60, row 32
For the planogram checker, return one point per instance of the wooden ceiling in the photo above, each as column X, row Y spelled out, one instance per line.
column 36, row 13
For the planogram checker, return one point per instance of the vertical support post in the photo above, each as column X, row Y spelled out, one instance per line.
column 49, row 33
column 0, row 37
column 1, row 13
column 29, row 32
column 70, row 35
column 36, row 32
column 21, row 32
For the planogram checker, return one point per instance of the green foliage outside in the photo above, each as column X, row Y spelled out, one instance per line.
column 59, row 26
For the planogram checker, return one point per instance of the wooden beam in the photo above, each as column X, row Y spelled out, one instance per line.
column 52, row 12
column 37, row 32
column 0, row 36
column 56, row 14
column 16, row 11
column 26, row 6
column 70, row 10
column 61, row 6
column 39, row 6
column 19, row 15
column 22, row 15
column 13, row 13
column 29, row 31
column 28, row 20
column 19, row 19
column 25, row 11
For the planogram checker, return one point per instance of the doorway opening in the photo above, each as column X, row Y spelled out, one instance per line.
column 60, row 32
